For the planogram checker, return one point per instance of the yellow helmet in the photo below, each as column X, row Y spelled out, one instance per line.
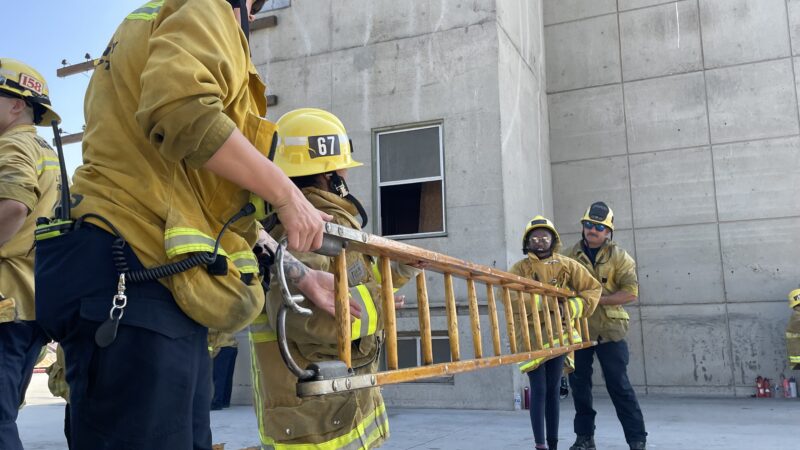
column 794, row 298
column 601, row 214
column 540, row 222
column 312, row 141
column 23, row 81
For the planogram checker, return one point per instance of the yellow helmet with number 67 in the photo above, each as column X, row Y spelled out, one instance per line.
column 312, row 141
column 19, row 80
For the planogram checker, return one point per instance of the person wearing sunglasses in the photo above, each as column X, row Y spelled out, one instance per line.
column 543, row 263
column 615, row 269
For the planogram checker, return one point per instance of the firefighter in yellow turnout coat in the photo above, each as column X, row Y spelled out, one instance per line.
column 29, row 180
column 541, row 244
column 793, row 331
column 175, row 143
column 316, row 152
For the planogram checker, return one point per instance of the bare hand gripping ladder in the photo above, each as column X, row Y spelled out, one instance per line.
column 337, row 376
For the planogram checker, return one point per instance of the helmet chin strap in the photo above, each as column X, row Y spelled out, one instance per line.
column 339, row 186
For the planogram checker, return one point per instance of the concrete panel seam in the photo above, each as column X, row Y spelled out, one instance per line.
column 578, row 20
column 718, row 144
column 716, row 206
column 749, row 63
column 648, row 6
column 564, row 91
column 630, row 184
column 385, row 41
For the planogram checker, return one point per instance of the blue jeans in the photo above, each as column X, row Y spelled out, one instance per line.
column 20, row 344
column 613, row 357
column 151, row 388
column 545, row 383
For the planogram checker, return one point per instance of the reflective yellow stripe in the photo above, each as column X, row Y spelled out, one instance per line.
column 260, row 330
column 369, row 314
column 255, row 376
column 794, row 359
column 47, row 163
column 537, row 299
column 363, row 436
column 245, row 261
column 790, row 335
column 525, row 366
column 147, row 12
column 376, row 272
column 576, row 307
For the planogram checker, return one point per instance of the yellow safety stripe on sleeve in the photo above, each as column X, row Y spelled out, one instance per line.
column 368, row 323
column 575, row 307
column 527, row 365
column 790, row 335
column 149, row 11
column 794, row 359
column 363, row 436
column 245, row 261
column 261, row 330
column 46, row 163
column 179, row 241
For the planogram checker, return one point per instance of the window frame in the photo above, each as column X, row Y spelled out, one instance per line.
column 445, row 379
column 376, row 156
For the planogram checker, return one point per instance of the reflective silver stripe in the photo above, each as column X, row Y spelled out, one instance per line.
column 303, row 140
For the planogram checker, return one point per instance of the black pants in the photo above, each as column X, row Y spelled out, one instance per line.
column 545, row 383
column 151, row 388
column 20, row 344
column 224, row 363
column 613, row 357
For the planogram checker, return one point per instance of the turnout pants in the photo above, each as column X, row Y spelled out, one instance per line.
column 613, row 357
column 20, row 344
column 151, row 388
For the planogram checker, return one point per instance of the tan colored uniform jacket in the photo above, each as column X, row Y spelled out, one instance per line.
column 616, row 271
column 560, row 271
column 174, row 82
column 29, row 174
column 348, row 420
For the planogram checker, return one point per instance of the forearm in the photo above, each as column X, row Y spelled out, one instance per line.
column 12, row 217
column 618, row 298
column 239, row 162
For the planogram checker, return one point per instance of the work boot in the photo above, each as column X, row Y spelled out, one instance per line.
column 584, row 443
column 638, row 445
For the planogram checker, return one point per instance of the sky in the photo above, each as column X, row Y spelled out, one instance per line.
column 64, row 30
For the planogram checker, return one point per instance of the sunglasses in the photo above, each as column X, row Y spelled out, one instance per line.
column 540, row 240
column 597, row 226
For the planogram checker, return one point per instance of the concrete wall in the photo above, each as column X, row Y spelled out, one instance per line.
column 683, row 116
column 475, row 65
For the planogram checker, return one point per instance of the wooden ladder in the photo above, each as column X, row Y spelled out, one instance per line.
column 571, row 334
